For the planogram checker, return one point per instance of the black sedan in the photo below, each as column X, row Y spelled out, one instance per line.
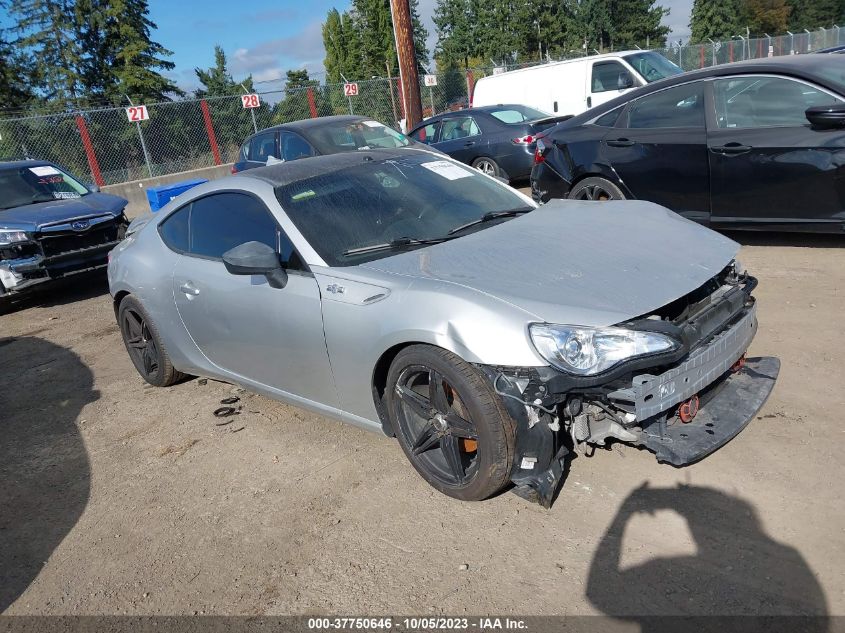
column 498, row 140
column 314, row 137
column 750, row 145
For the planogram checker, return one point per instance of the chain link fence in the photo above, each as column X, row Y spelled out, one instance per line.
column 103, row 146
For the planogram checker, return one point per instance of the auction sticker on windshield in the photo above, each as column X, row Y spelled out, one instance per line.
column 447, row 170
column 45, row 170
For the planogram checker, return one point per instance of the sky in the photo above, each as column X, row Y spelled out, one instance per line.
column 268, row 37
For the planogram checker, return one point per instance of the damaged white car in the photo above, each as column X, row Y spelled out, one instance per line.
column 415, row 296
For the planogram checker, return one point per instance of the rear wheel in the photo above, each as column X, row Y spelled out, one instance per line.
column 450, row 423
column 487, row 166
column 595, row 188
column 144, row 345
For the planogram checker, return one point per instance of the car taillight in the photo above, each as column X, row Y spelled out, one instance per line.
column 234, row 169
column 524, row 140
column 540, row 150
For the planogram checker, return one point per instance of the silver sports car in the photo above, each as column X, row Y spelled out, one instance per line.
column 409, row 294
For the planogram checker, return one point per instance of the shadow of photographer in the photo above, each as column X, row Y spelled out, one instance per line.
column 45, row 475
column 738, row 570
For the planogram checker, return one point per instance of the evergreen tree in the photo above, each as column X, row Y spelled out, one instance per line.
column 217, row 81
column 14, row 88
column 765, row 16
column 342, row 45
column 812, row 15
column 45, row 29
column 713, row 19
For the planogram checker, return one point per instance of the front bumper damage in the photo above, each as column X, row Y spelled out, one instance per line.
column 52, row 254
column 682, row 409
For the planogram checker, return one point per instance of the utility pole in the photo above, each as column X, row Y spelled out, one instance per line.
column 403, row 32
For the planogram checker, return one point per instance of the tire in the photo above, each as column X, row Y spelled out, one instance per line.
column 144, row 345
column 487, row 166
column 465, row 450
column 595, row 188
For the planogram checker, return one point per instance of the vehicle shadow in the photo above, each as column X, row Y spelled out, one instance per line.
column 738, row 569
column 44, row 470
column 799, row 240
column 61, row 292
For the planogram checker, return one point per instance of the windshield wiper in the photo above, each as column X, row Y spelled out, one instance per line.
column 493, row 215
column 399, row 242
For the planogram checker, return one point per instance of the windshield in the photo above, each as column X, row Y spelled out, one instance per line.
column 346, row 136
column 652, row 66
column 42, row 183
column 518, row 114
column 383, row 201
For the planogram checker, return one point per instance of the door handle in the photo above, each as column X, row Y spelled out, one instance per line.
column 469, row 143
column 730, row 148
column 589, row 102
column 189, row 289
column 620, row 142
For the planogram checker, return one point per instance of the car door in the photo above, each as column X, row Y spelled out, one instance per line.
column 768, row 165
column 261, row 147
column 427, row 133
column 608, row 80
column 659, row 150
column 460, row 138
column 273, row 336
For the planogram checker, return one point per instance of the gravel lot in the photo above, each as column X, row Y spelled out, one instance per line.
column 116, row 497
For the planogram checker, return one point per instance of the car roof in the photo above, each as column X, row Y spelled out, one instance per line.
column 304, row 125
column 800, row 66
column 613, row 55
column 27, row 162
column 287, row 172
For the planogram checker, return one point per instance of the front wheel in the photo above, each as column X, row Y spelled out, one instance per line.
column 595, row 188
column 450, row 423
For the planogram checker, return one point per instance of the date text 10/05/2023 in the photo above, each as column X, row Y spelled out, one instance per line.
column 417, row 623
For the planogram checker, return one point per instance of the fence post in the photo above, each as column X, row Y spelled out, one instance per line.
column 89, row 151
column 312, row 103
column 212, row 139
column 701, row 55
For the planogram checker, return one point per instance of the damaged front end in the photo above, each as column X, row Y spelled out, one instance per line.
column 682, row 402
column 55, row 250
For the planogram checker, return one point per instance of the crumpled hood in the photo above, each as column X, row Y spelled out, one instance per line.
column 32, row 216
column 577, row 262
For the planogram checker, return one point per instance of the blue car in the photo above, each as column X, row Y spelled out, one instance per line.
column 497, row 140
column 51, row 225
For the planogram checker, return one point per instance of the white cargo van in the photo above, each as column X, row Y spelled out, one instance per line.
column 572, row 86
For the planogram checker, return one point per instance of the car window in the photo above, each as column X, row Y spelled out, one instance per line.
column 294, row 146
column 459, row 127
column 518, row 114
column 262, row 146
column 653, row 66
column 749, row 102
column 609, row 119
column 610, row 76
column 346, row 136
column 174, row 229
column 427, row 134
column 221, row 221
column 378, row 201
column 40, row 183
column 681, row 106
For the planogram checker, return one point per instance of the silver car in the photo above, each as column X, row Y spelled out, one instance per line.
column 412, row 295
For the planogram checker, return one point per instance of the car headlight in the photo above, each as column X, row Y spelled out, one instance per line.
column 11, row 237
column 586, row 351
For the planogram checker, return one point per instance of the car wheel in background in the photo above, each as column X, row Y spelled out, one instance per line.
column 487, row 166
column 450, row 423
column 595, row 188
column 144, row 344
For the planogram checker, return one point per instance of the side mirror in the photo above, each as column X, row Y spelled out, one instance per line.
column 255, row 258
column 624, row 81
column 93, row 188
column 829, row 116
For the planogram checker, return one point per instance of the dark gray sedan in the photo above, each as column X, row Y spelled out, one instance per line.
column 499, row 140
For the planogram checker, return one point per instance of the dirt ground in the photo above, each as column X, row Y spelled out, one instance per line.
column 116, row 497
